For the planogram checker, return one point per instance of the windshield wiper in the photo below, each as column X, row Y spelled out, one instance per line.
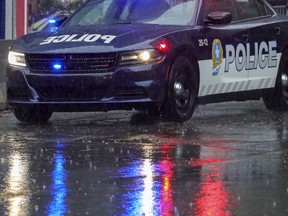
column 119, row 23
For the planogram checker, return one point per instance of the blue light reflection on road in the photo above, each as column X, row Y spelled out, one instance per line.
column 131, row 200
column 150, row 192
column 58, row 188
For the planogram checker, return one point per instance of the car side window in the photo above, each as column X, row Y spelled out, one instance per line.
column 221, row 5
column 247, row 9
column 264, row 9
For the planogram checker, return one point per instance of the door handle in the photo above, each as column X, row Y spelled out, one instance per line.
column 245, row 37
column 277, row 30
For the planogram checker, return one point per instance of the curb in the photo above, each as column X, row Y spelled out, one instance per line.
column 3, row 104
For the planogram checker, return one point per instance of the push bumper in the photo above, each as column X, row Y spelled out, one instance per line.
column 125, row 88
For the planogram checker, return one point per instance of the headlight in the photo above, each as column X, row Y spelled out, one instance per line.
column 141, row 57
column 17, row 59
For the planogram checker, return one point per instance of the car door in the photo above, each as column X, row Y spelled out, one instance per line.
column 222, row 71
column 263, row 40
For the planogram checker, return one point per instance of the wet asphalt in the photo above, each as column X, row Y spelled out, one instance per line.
column 229, row 159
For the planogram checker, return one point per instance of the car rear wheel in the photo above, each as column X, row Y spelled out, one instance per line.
column 182, row 90
column 32, row 114
column 278, row 99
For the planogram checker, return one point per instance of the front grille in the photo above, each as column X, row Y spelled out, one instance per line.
column 132, row 92
column 70, row 94
column 72, row 63
column 68, row 87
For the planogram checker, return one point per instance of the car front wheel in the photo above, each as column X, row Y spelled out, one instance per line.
column 182, row 90
column 278, row 99
column 32, row 114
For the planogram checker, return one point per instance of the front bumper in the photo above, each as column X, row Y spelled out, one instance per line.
column 125, row 88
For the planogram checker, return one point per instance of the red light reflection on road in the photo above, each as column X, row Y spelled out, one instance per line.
column 213, row 197
column 167, row 168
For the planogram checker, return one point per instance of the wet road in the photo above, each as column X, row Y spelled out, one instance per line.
column 230, row 159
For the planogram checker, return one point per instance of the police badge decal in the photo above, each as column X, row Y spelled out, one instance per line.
column 217, row 56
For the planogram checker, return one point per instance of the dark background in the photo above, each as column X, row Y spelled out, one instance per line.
column 2, row 19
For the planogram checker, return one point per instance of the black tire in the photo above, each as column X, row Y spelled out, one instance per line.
column 278, row 99
column 182, row 90
column 32, row 114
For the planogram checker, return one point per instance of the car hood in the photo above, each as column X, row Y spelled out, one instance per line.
column 79, row 39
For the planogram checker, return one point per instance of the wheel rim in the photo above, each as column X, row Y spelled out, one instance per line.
column 183, row 91
column 284, row 81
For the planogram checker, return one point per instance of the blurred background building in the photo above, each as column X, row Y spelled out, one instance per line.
column 13, row 18
column 17, row 16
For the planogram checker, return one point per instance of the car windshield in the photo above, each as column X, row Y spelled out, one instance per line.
column 161, row 12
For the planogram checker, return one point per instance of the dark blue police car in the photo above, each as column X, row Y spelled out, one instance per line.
column 164, row 56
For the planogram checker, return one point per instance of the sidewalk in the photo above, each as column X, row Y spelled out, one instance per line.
column 3, row 104
column 5, row 112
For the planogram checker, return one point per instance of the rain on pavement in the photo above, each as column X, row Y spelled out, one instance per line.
column 229, row 159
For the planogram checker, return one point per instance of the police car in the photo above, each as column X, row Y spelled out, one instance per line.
column 165, row 56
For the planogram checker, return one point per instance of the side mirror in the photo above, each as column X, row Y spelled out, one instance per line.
column 218, row 18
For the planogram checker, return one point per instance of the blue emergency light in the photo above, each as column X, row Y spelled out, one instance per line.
column 52, row 21
column 57, row 66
